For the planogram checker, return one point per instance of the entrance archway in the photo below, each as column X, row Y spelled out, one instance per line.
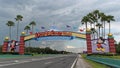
column 90, row 42
column 66, row 34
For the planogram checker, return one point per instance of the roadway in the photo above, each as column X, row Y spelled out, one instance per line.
column 81, row 63
column 64, row 61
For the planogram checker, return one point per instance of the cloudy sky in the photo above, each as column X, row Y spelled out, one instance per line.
column 58, row 13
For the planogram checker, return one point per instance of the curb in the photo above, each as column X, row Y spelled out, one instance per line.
column 74, row 63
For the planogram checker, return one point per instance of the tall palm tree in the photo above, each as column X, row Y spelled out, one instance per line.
column 96, row 16
column 103, row 20
column 99, row 26
column 27, row 28
column 10, row 24
column 85, row 20
column 32, row 24
column 91, row 19
column 93, row 31
column 96, row 13
column 109, row 19
column 18, row 19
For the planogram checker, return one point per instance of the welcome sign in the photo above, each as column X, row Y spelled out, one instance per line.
column 100, row 47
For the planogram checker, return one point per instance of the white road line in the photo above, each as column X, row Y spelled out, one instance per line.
column 48, row 62
column 6, row 62
column 16, row 61
column 73, row 65
column 13, row 63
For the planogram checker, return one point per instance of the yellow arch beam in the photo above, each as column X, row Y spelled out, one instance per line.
column 67, row 33
column 79, row 35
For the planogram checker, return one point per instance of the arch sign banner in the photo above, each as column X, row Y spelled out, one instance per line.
column 55, row 34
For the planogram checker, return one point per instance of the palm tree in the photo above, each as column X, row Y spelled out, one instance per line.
column 91, row 19
column 93, row 31
column 96, row 16
column 96, row 13
column 85, row 20
column 32, row 25
column 27, row 28
column 103, row 19
column 99, row 26
column 110, row 18
column 10, row 24
column 18, row 19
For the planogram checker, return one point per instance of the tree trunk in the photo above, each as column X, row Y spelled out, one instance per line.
column 32, row 29
column 90, row 25
column 99, row 32
column 94, row 25
column 93, row 35
column 86, row 26
column 104, row 30
column 27, row 31
column 10, row 32
column 17, row 29
column 109, row 28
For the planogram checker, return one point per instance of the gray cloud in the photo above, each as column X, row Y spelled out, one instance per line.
column 45, row 13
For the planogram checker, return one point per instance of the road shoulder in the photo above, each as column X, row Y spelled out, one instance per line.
column 81, row 63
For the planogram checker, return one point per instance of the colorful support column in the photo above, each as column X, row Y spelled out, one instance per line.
column 88, row 40
column 111, row 44
column 21, row 45
column 5, row 45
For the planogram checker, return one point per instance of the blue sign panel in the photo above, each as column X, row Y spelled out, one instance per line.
column 54, row 38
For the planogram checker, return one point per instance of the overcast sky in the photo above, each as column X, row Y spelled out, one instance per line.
column 58, row 12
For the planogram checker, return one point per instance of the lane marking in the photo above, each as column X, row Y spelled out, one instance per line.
column 16, row 61
column 73, row 65
column 6, row 62
column 13, row 63
column 48, row 62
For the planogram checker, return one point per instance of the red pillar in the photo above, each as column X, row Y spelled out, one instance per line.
column 5, row 46
column 89, row 46
column 21, row 45
column 112, row 45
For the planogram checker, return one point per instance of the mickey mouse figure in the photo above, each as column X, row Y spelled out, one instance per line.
column 100, row 41
column 12, row 45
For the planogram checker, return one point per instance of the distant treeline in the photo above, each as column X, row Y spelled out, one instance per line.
column 46, row 50
column 118, row 48
column 38, row 50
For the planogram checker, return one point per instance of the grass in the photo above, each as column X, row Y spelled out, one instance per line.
column 23, row 56
column 46, row 54
column 94, row 64
column 12, row 56
column 113, row 57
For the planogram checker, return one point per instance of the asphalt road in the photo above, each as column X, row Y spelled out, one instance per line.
column 81, row 63
column 65, row 61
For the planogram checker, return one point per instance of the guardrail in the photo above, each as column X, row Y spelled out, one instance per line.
column 107, row 61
